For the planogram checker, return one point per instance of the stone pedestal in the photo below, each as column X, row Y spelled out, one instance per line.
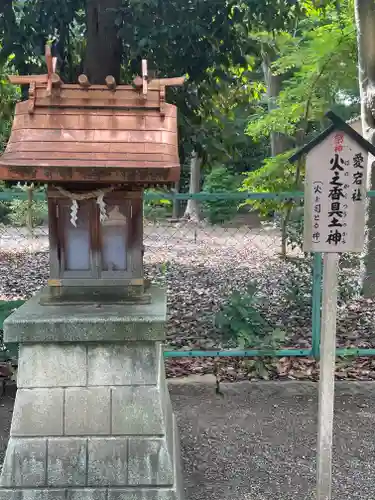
column 92, row 418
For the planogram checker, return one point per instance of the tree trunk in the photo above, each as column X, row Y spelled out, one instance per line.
column 192, row 209
column 365, row 21
column 176, row 203
column 104, row 48
column 279, row 142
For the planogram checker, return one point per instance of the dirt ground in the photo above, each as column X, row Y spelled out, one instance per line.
column 200, row 266
column 257, row 441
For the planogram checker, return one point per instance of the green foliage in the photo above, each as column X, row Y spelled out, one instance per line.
column 220, row 136
column 220, row 180
column 197, row 38
column 4, row 207
column 323, row 63
column 242, row 324
column 299, row 279
column 157, row 199
column 4, row 212
column 208, row 41
column 158, row 208
column 19, row 211
column 319, row 63
column 349, row 278
column 277, row 175
column 8, row 98
column 6, row 309
column 297, row 285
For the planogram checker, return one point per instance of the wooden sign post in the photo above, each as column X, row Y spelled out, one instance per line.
column 334, row 222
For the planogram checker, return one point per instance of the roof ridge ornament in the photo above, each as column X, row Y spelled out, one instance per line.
column 142, row 84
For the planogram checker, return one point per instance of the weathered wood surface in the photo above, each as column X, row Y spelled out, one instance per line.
column 69, row 135
column 146, row 174
column 149, row 110
column 134, row 122
column 93, row 147
column 84, row 127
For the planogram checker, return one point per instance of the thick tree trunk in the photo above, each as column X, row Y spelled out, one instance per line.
column 103, row 53
column 365, row 21
column 192, row 209
column 279, row 142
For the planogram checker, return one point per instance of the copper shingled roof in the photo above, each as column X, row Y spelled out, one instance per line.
column 102, row 133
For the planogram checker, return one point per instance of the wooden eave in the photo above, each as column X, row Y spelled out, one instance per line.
column 96, row 134
column 337, row 124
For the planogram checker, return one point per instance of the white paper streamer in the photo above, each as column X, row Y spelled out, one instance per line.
column 74, row 213
column 25, row 186
column 76, row 197
column 102, row 208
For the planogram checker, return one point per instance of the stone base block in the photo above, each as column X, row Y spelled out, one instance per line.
column 99, row 322
column 89, row 494
column 91, row 421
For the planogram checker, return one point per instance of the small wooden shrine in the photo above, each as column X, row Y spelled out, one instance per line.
column 96, row 147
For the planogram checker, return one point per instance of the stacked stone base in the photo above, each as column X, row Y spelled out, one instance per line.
column 89, row 494
column 92, row 421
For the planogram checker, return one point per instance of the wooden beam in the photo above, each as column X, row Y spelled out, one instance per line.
column 162, row 101
column 48, row 56
column 144, row 78
column 27, row 79
column 32, row 98
column 169, row 82
column 137, row 82
column 159, row 83
column 56, row 80
column 84, row 81
column 110, row 82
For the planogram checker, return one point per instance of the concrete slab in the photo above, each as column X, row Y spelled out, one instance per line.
column 34, row 323
column 257, row 441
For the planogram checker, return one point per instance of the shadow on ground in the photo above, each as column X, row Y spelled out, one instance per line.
column 257, row 441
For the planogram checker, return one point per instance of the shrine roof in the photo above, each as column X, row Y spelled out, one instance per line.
column 101, row 133
column 337, row 124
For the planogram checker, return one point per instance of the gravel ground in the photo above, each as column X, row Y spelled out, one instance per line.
column 200, row 266
column 258, row 441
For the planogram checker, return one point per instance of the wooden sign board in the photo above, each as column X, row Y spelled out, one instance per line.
column 335, row 195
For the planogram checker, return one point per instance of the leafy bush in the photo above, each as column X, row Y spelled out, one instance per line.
column 4, row 212
column 4, row 207
column 18, row 212
column 158, row 208
column 242, row 324
column 220, row 180
column 9, row 94
column 276, row 175
column 297, row 285
column 298, row 282
column 6, row 308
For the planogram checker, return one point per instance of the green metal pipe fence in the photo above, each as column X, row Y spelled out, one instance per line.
column 9, row 195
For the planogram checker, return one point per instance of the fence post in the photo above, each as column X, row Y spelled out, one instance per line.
column 316, row 303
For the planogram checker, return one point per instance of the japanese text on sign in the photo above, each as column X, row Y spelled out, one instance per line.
column 335, row 195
